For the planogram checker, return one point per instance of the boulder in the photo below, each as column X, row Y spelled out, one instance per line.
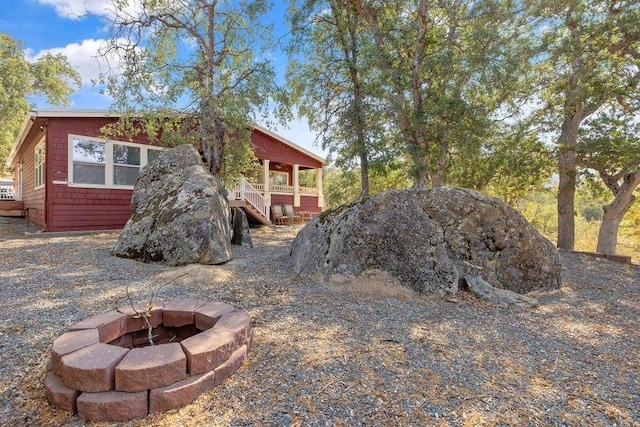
column 427, row 240
column 180, row 213
column 241, row 231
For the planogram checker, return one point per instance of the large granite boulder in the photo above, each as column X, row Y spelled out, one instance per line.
column 180, row 213
column 429, row 240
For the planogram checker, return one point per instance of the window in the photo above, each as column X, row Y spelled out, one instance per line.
column 39, row 165
column 98, row 163
column 278, row 178
column 88, row 161
column 152, row 154
column 126, row 164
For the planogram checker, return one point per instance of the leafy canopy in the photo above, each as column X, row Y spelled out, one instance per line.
column 193, row 71
column 50, row 76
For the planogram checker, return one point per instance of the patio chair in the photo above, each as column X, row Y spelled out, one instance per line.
column 279, row 217
column 288, row 211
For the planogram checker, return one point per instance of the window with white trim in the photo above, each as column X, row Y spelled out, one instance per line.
column 95, row 162
column 88, row 160
column 39, row 165
column 278, row 178
column 126, row 164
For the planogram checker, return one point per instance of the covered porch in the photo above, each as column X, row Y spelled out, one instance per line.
column 278, row 183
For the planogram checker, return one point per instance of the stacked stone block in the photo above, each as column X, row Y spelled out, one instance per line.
column 104, row 368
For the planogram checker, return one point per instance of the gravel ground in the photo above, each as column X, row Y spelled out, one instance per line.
column 321, row 358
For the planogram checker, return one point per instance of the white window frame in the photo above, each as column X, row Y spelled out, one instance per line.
column 39, row 165
column 108, row 152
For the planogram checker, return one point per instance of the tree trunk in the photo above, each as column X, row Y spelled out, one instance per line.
column 364, row 175
column 413, row 134
column 420, row 158
column 213, row 137
column 212, row 146
column 361, row 139
column 567, row 182
column 438, row 175
column 615, row 212
column 608, row 232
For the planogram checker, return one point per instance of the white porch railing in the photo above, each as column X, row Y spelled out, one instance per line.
column 308, row 190
column 6, row 192
column 242, row 190
column 286, row 189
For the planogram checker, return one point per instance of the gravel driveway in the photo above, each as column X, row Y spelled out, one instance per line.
column 324, row 358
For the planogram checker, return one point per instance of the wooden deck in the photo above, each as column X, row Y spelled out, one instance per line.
column 11, row 208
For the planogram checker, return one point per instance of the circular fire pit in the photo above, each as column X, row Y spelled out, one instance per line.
column 136, row 360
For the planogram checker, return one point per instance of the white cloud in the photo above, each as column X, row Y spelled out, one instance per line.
column 84, row 57
column 75, row 9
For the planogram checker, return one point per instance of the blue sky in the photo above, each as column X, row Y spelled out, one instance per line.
column 52, row 26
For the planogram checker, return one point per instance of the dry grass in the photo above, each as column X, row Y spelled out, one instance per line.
column 322, row 357
column 586, row 239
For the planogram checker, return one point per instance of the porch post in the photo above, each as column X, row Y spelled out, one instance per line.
column 296, row 185
column 18, row 188
column 319, row 184
column 265, row 182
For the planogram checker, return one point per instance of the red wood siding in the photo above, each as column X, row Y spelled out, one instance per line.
column 271, row 149
column 104, row 216
column 281, row 199
column 58, row 207
column 76, row 208
column 309, row 203
column 34, row 200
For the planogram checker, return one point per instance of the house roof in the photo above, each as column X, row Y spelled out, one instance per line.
column 34, row 114
column 289, row 143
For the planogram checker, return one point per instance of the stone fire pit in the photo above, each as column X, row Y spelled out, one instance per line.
column 105, row 369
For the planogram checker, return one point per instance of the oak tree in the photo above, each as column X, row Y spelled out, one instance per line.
column 50, row 76
column 193, row 71
column 609, row 146
column 590, row 57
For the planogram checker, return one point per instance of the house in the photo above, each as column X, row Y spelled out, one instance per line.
column 68, row 178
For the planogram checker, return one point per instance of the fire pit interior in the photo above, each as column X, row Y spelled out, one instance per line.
column 136, row 360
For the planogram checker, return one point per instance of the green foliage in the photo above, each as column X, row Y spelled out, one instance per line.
column 239, row 157
column 517, row 166
column 588, row 58
column 591, row 213
column 443, row 72
column 610, row 144
column 609, row 147
column 588, row 55
column 307, row 178
column 339, row 187
column 433, row 83
column 342, row 186
column 630, row 226
column 338, row 99
column 539, row 209
column 389, row 178
column 50, row 76
column 203, row 64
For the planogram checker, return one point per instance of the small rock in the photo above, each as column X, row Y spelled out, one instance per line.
column 501, row 297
